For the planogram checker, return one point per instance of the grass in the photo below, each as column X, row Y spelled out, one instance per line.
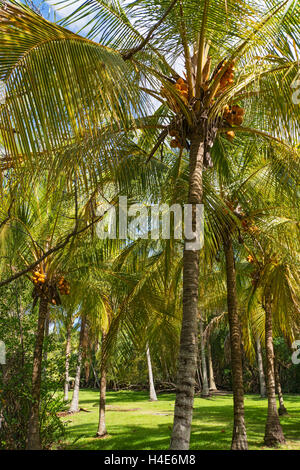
column 134, row 423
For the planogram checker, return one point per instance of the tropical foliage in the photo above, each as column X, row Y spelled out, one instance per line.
column 199, row 107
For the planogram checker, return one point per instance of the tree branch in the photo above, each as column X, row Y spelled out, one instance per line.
column 160, row 140
column 251, row 130
column 128, row 55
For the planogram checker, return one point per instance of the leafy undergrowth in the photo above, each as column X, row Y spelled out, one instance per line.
column 135, row 423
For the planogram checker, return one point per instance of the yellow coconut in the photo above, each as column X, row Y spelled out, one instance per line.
column 230, row 135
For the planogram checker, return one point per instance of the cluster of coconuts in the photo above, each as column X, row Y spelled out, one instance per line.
column 228, row 77
column 38, row 278
column 63, row 286
column 48, row 288
column 233, row 115
column 182, row 88
column 175, row 143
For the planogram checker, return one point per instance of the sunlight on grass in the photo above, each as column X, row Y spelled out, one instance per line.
column 135, row 423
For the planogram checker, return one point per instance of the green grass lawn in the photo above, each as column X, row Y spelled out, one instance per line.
column 134, row 423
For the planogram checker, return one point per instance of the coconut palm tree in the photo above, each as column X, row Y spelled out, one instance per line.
column 275, row 280
column 262, row 381
column 241, row 190
column 87, row 92
column 34, row 229
column 269, row 236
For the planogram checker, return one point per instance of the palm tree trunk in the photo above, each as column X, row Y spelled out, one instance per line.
column 198, row 373
column 262, row 382
column 87, row 370
column 239, row 438
column 273, row 431
column 33, row 434
column 153, row 396
column 20, row 312
column 187, row 362
column 47, row 327
column 46, row 337
column 205, row 389
column 282, row 409
column 96, row 380
column 67, row 361
column 74, row 407
column 102, row 426
column 212, row 383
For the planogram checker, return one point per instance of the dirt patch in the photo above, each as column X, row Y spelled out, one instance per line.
column 220, row 392
column 117, row 408
column 102, row 437
column 61, row 414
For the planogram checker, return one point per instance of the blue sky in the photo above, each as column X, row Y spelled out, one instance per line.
column 66, row 9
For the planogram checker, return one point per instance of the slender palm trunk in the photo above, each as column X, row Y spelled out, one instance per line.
column 33, row 434
column 262, row 382
column 74, row 407
column 198, row 376
column 166, row 370
column 47, row 327
column 96, row 349
column 46, row 337
column 273, row 431
column 67, row 361
column 205, row 388
column 199, row 373
column 87, row 370
column 239, row 438
column 20, row 313
column 96, row 380
column 153, row 396
column 102, row 426
column 187, row 362
column 212, row 383
column 282, row 409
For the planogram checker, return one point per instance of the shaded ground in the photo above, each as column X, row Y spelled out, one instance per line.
column 147, row 425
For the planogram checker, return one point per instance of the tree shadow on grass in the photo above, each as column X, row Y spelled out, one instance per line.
column 122, row 397
column 212, row 434
column 147, row 438
column 211, row 430
column 132, row 437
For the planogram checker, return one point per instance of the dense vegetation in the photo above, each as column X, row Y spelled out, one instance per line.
column 200, row 107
